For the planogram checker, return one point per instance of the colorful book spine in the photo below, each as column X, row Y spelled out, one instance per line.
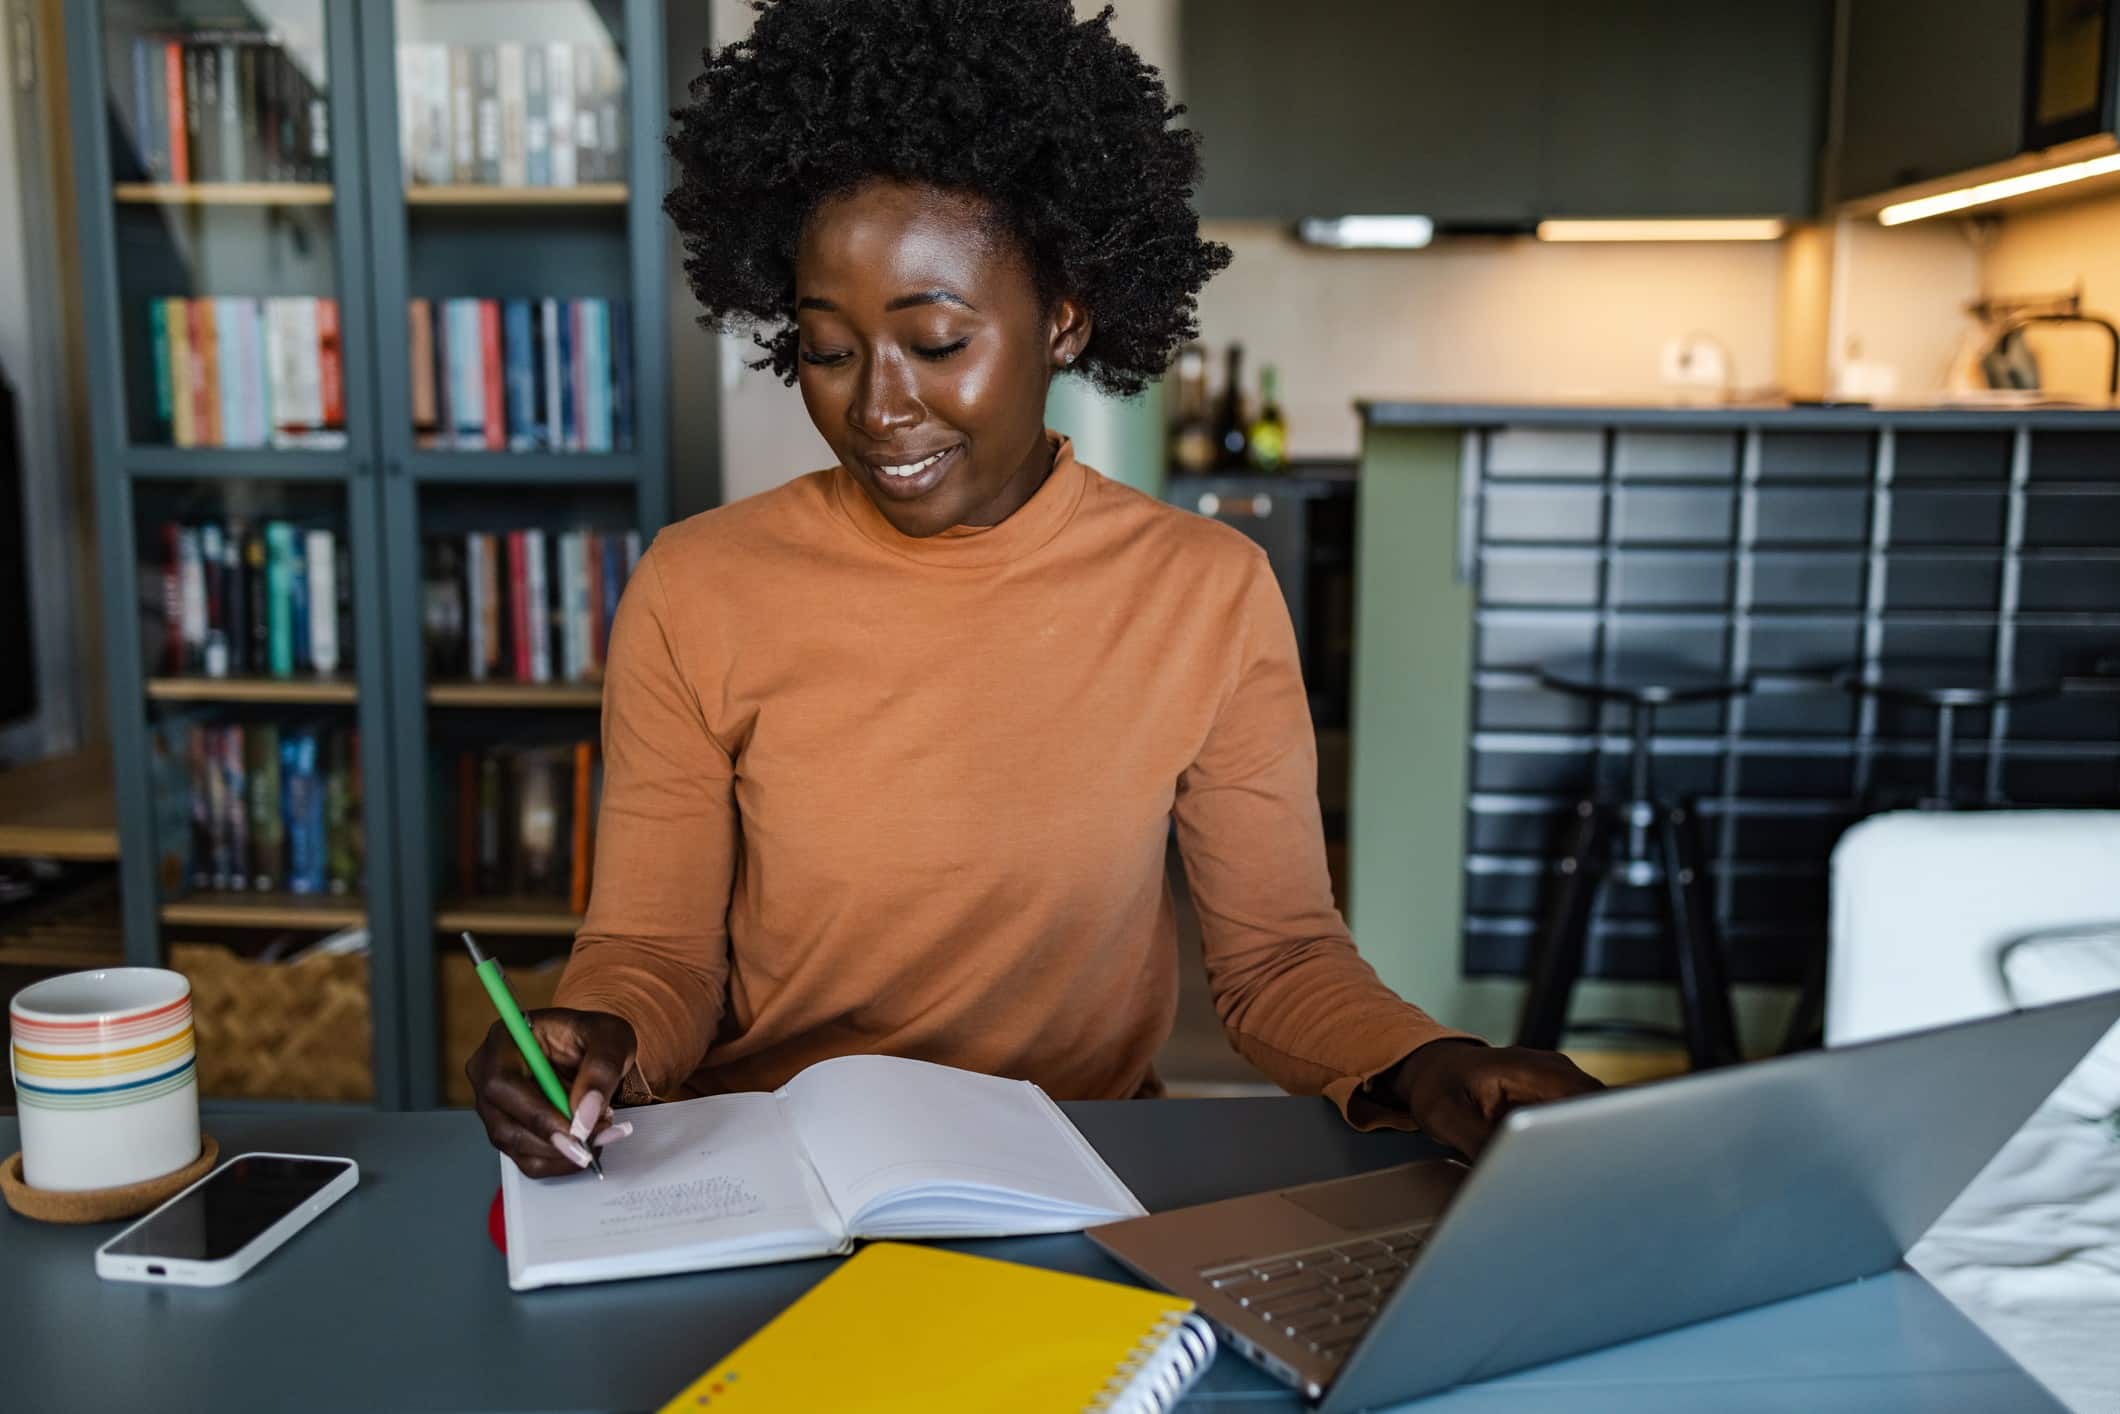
column 205, row 367
column 320, row 559
column 236, row 803
column 494, row 423
column 578, row 871
column 341, row 864
column 570, row 378
column 621, row 363
column 158, row 343
column 519, row 604
column 280, row 560
column 522, row 375
column 213, row 657
column 538, row 594
column 268, row 833
column 596, row 376
column 174, row 109
column 559, row 89
column 420, row 325
column 331, row 369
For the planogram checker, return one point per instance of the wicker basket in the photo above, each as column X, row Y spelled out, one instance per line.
column 467, row 1012
column 281, row 1030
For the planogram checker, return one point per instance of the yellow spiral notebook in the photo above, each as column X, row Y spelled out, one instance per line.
column 919, row 1330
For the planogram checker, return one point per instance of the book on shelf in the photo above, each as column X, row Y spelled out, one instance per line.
column 234, row 371
column 511, row 114
column 217, row 103
column 521, row 375
column 522, row 605
column 245, row 600
column 251, row 807
column 519, row 820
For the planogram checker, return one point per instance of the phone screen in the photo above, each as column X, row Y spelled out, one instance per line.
column 241, row 1200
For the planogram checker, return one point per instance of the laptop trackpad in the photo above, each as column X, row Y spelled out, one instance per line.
column 1393, row 1197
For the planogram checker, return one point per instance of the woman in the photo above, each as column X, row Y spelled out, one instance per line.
column 891, row 751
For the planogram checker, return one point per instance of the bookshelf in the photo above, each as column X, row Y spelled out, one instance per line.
column 309, row 227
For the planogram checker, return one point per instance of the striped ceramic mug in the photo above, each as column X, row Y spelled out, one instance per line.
column 104, row 1077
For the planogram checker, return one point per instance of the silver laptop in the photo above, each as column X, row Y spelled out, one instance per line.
column 1613, row 1215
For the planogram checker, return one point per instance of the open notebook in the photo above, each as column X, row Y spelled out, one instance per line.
column 859, row 1146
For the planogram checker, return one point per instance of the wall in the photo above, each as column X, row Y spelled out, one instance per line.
column 1479, row 318
column 2048, row 249
column 1493, row 319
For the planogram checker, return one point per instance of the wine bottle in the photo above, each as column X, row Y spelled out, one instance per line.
column 1192, row 435
column 1269, row 434
column 1232, row 440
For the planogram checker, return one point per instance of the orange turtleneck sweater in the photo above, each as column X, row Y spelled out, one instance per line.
column 867, row 793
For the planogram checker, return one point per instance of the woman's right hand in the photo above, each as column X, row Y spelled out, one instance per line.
column 591, row 1051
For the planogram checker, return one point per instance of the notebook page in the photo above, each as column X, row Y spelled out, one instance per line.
column 725, row 1173
column 879, row 1126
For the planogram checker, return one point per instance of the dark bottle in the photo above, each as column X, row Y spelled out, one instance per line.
column 1232, row 437
column 1192, row 433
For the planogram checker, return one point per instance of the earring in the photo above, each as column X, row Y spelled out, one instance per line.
column 1067, row 358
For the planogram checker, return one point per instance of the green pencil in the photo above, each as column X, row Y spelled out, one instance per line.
column 489, row 972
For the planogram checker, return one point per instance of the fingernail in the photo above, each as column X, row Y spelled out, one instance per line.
column 571, row 1149
column 586, row 1113
column 613, row 1133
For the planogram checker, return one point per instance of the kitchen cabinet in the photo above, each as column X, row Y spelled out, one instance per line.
column 1497, row 115
column 1661, row 109
column 1345, row 106
column 1931, row 87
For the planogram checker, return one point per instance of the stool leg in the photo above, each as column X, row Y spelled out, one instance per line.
column 1946, row 751
column 1807, row 1022
column 1703, row 984
column 1557, row 957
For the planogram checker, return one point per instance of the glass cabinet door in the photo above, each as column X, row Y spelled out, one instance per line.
column 512, row 146
column 222, row 127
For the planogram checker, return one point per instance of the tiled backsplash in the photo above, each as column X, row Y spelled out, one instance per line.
column 1783, row 554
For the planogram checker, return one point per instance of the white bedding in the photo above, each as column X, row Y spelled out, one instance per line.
column 2031, row 1251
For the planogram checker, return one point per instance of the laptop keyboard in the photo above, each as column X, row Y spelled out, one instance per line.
column 1324, row 1297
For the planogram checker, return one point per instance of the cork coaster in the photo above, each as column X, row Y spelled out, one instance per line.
column 101, row 1205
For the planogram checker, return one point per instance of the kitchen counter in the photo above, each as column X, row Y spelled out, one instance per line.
column 1765, row 541
column 1385, row 412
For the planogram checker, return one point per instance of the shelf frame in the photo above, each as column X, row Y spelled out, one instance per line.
column 222, row 193
column 234, row 909
column 612, row 194
column 524, row 696
column 304, row 691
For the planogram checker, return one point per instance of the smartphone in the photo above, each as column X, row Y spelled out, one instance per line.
column 229, row 1221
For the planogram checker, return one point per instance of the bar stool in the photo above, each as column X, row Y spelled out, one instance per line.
column 1643, row 841
column 1946, row 687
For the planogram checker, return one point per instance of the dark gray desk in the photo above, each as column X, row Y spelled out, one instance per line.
column 396, row 1300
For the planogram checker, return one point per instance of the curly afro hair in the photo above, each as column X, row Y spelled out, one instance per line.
column 1058, row 127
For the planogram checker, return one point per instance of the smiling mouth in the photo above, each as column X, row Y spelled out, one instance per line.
column 907, row 480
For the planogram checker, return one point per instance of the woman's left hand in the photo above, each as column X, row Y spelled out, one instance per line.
column 1458, row 1090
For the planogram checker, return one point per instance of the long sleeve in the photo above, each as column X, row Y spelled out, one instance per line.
column 654, row 948
column 1294, row 996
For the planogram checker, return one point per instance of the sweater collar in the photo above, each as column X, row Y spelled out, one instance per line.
column 1034, row 523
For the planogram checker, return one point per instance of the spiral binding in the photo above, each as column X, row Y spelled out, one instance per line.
column 1161, row 1368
